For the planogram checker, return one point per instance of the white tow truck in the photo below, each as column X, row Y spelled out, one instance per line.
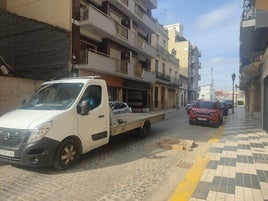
column 62, row 120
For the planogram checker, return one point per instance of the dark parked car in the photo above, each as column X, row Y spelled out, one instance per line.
column 229, row 103
column 225, row 108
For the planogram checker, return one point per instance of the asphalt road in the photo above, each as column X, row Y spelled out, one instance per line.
column 128, row 168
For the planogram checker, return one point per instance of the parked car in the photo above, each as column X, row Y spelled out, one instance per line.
column 119, row 107
column 189, row 106
column 229, row 103
column 206, row 112
column 225, row 108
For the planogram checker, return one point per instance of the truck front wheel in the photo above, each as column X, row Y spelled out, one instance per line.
column 66, row 155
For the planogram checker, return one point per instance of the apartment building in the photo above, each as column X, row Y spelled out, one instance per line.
column 183, row 90
column 207, row 92
column 188, row 55
column 165, row 92
column 111, row 39
column 253, row 79
column 115, row 42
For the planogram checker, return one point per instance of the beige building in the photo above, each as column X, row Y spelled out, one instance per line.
column 188, row 55
column 183, row 91
column 165, row 92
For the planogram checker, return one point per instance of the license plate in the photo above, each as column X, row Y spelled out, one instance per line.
column 7, row 153
column 201, row 119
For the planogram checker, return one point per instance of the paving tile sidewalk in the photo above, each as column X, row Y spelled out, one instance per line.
column 238, row 163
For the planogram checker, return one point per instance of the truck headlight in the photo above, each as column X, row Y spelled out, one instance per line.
column 40, row 131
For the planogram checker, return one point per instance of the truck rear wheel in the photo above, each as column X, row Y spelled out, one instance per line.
column 67, row 154
column 145, row 130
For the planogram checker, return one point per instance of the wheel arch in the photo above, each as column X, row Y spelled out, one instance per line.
column 73, row 137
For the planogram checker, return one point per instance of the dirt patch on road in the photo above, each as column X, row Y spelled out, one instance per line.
column 176, row 144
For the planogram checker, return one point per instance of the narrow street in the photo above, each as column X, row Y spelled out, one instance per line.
column 128, row 168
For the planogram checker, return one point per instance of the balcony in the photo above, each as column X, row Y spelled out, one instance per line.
column 162, row 77
column 162, row 51
column 199, row 65
column 99, row 62
column 135, row 12
column 191, row 73
column 253, row 39
column 151, row 4
column 176, row 82
column 253, row 31
column 94, row 21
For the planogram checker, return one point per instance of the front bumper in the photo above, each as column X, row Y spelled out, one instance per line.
column 40, row 153
column 204, row 119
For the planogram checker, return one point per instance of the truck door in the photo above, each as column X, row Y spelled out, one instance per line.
column 93, row 127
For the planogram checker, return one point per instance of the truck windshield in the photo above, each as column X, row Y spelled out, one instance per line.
column 58, row 96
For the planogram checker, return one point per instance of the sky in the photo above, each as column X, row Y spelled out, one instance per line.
column 214, row 26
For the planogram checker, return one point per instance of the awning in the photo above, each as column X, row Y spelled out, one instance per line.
column 244, row 78
column 243, row 81
column 251, row 70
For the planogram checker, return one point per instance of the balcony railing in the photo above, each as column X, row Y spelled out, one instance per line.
column 97, row 61
column 125, row 2
column 104, row 26
column 100, row 61
column 172, row 81
column 249, row 12
column 162, row 76
column 132, row 9
column 162, row 50
column 176, row 81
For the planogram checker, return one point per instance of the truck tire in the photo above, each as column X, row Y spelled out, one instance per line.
column 67, row 154
column 145, row 130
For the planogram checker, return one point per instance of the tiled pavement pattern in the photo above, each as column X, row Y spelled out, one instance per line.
column 238, row 163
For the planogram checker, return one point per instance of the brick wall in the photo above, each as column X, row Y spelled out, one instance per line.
column 14, row 90
column 34, row 49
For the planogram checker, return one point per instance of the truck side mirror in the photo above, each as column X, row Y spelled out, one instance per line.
column 84, row 107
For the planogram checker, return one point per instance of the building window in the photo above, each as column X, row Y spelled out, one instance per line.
column 156, row 65
column 163, row 68
column 164, row 43
column 157, row 39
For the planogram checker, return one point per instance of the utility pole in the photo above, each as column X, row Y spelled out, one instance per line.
column 212, row 94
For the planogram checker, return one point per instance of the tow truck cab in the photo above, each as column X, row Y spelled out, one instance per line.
column 56, row 124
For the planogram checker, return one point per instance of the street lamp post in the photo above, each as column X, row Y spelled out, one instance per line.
column 233, row 78
column 236, row 86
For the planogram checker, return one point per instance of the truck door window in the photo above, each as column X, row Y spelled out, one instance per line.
column 93, row 96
